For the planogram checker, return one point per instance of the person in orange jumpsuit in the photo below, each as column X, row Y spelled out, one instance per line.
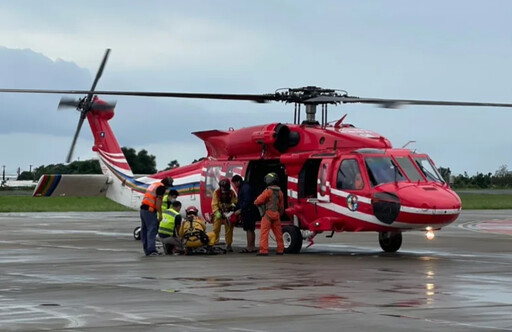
column 272, row 202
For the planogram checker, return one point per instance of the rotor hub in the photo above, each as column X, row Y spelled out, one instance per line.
column 305, row 94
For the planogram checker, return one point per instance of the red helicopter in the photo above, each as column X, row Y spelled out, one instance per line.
column 335, row 177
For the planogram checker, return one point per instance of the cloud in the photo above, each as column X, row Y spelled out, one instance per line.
column 25, row 149
column 444, row 51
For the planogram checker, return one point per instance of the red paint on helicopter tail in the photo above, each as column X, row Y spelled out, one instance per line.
column 105, row 143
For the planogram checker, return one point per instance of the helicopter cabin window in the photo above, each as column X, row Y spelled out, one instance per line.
column 349, row 176
column 234, row 170
column 410, row 171
column 323, row 179
column 383, row 170
column 428, row 169
column 213, row 175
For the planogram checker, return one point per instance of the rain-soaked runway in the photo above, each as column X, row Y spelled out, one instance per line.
column 84, row 272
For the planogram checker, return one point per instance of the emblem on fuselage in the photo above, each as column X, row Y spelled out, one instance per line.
column 352, row 202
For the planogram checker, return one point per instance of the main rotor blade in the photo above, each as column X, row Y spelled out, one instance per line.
column 396, row 103
column 256, row 98
column 262, row 98
column 80, row 122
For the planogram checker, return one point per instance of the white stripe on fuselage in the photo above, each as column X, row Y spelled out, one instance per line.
column 111, row 154
column 123, row 171
column 403, row 208
column 371, row 218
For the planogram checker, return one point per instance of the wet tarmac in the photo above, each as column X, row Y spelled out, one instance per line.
column 84, row 272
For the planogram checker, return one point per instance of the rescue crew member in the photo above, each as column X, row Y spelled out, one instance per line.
column 272, row 203
column 223, row 202
column 169, row 227
column 193, row 231
column 247, row 211
column 170, row 197
column 151, row 214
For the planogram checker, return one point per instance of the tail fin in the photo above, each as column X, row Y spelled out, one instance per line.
column 122, row 187
column 106, row 146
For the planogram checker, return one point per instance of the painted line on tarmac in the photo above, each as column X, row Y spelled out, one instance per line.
column 425, row 254
column 493, row 226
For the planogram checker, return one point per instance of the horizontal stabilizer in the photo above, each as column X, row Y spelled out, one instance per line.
column 71, row 185
column 207, row 134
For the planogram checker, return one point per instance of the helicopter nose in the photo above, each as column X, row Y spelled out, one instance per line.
column 429, row 197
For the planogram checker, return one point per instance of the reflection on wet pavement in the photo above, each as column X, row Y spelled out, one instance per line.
column 89, row 278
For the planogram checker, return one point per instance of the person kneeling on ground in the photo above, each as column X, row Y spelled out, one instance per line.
column 193, row 231
column 169, row 226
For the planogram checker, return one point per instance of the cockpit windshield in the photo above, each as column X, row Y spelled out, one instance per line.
column 410, row 171
column 383, row 170
column 428, row 169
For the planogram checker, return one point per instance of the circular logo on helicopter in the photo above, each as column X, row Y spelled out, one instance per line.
column 352, row 202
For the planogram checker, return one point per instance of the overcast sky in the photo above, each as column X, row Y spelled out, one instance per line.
column 444, row 50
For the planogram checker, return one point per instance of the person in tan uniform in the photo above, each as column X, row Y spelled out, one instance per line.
column 193, row 231
column 223, row 205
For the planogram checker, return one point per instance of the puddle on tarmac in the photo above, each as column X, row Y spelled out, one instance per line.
column 224, row 299
column 330, row 301
column 405, row 304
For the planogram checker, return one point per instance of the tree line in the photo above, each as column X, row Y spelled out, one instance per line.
column 501, row 179
column 142, row 162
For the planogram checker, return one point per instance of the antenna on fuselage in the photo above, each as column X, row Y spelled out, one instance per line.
column 403, row 147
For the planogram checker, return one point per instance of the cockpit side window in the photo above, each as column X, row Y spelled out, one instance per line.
column 383, row 170
column 349, row 176
column 428, row 169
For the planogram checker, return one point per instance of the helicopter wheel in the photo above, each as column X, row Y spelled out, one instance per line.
column 136, row 233
column 292, row 238
column 390, row 241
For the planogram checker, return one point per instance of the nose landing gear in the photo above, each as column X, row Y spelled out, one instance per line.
column 390, row 241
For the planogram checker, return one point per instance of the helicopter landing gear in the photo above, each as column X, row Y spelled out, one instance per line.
column 292, row 238
column 136, row 233
column 390, row 241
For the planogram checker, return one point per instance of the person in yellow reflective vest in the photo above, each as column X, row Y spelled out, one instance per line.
column 223, row 205
column 168, row 229
column 151, row 214
column 170, row 197
column 193, row 231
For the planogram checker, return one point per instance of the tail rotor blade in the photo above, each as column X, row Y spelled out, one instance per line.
column 80, row 122
column 68, row 102
column 100, row 72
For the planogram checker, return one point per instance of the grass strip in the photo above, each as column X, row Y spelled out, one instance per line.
column 485, row 201
column 470, row 201
column 58, row 204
